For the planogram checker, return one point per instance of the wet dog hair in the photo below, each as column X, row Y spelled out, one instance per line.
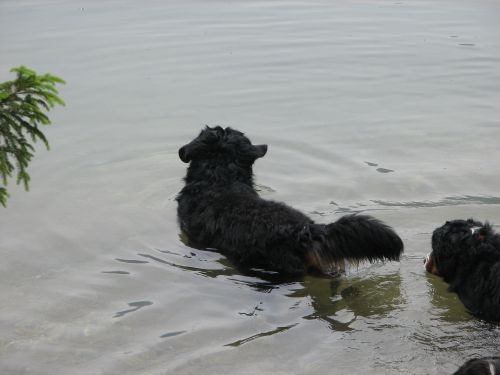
column 466, row 254
column 480, row 366
column 220, row 208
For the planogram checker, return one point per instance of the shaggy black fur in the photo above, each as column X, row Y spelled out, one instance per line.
column 466, row 254
column 480, row 366
column 219, row 208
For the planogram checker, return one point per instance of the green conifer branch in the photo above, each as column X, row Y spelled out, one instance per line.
column 24, row 102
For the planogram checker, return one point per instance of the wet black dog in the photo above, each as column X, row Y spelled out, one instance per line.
column 466, row 254
column 220, row 208
column 480, row 366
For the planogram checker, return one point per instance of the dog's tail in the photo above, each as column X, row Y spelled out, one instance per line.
column 352, row 238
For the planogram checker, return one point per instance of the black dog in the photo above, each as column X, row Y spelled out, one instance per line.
column 219, row 208
column 466, row 254
column 480, row 366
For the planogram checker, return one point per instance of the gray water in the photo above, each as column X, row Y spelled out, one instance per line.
column 385, row 107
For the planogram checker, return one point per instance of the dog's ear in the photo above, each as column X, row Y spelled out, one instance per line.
column 231, row 131
column 212, row 135
column 484, row 232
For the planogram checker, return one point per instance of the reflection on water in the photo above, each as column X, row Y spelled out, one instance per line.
column 263, row 334
column 341, row 301
column 447, row 305
column 364, row 304
column 135, row 306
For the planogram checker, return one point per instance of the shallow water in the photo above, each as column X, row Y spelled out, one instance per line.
column 385, row 107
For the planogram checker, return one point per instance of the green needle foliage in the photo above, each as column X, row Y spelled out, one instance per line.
column 23, row 106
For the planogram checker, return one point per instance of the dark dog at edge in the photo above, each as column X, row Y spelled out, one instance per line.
column 220, row 208
column 466, row 254
column 480, row 366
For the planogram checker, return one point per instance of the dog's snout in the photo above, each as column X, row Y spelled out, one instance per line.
column 261, row 149
column 183, row 155
column 429, row 265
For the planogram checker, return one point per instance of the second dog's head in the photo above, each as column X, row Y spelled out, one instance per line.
column 223, row 145
column 480, row 366
column 452, row 242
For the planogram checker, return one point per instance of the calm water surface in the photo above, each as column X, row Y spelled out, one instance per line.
column 386, row 107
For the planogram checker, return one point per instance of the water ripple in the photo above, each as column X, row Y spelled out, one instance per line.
column 263, row 334
column 172, row 334
column 447, row 201
column 135, row 306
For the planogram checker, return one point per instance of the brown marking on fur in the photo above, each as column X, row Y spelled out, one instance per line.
column 430, row 266
column 315, row 262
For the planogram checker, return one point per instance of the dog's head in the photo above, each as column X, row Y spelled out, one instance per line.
column 454, row 240
column 223, row 145
column 480, row 366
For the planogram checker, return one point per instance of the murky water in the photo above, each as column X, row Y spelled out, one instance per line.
column 385, row 107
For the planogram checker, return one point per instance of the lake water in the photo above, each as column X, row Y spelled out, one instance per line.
column 385, row 107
